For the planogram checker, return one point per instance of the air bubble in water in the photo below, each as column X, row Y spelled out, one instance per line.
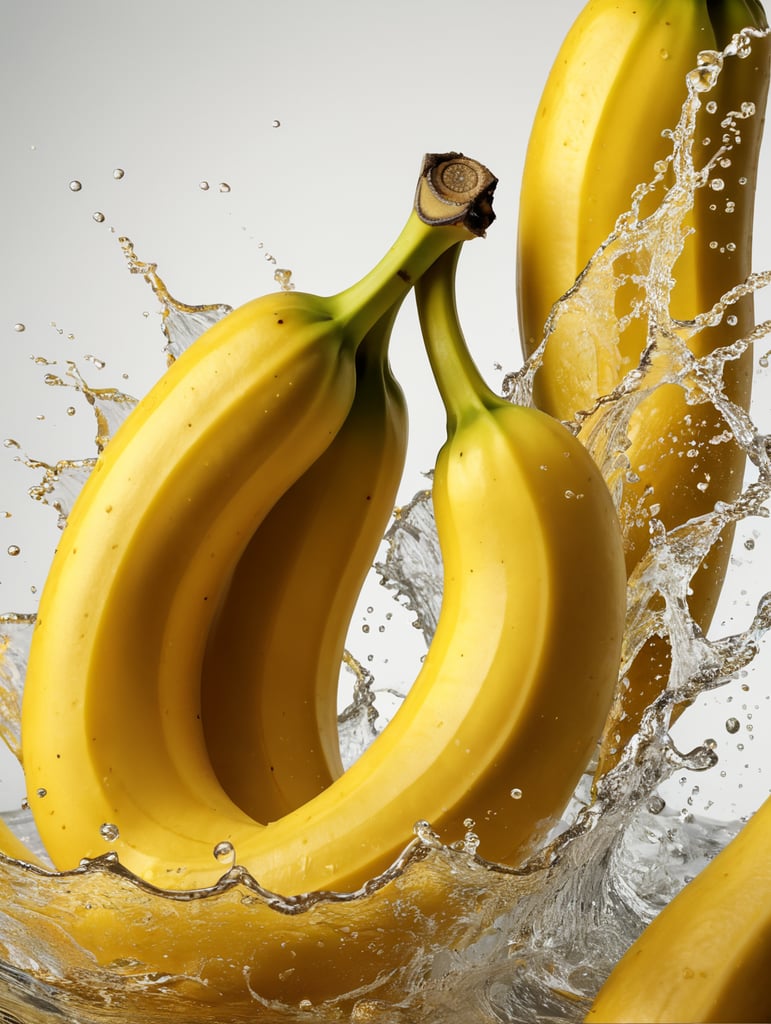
column 19, row 328
column 203, row 185
column 75, row 186
column 224, row 187
column 711, row 107
column 13, row 550
column 109, row 832
column 42, row 792
column 732, row 725
column 98, row 216
column 717, row 184
column 276, row 123
column 118, row 173
column 516, row 794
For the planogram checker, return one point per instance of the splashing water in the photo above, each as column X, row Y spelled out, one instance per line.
column 532, row 943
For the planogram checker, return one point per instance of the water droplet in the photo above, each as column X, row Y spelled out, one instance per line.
column 276, row 123
column 516, row 794
column 118, row 173
column 98, row 216
column 732, row 725
column 203, row 185
column 470, row 843
column 717, row 184
column 224, row 187
column 109, row 832
column 224, row 851
column 13, row 550
column 656, row 804
column 425, row 833
column 283, row 278
column 75, row 186
column 19, row 328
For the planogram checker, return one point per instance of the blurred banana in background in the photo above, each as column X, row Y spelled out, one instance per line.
column 618, row 82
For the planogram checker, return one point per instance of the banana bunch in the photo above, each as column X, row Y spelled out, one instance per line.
column 705, row 957
column 617, row 83
column 113, row 696
column 163, row 554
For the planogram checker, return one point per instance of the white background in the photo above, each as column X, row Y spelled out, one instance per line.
column 176, row 94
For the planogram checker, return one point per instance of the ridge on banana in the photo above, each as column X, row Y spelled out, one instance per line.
column 595, row 138
column 269, row 699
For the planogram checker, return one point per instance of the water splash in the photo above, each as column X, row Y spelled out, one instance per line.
column 531, row 943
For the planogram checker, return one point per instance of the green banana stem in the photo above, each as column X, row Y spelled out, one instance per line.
column 452, row 204
column 463, row 390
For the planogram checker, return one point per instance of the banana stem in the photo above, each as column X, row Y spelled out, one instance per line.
column 460, row 383
column 453, row 203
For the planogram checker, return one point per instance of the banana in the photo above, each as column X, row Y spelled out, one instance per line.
column 498, row 722
column 272, row 662
column 112, row 707
column 705, row 957
column 618, row 81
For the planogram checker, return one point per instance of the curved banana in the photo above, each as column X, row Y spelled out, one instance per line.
column 111, row 707
column 272, row 663
column 617, row 82
column 533, row 568
column 705, row 957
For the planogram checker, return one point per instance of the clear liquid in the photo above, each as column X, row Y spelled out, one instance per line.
column 535, row 942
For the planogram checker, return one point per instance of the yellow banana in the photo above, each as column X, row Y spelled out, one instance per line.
column 705, row 957
column 617, row 83
column 112, row 695
column 272, row 663
column 533, row 567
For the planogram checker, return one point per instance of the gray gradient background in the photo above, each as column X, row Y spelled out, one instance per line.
column 179, row 93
